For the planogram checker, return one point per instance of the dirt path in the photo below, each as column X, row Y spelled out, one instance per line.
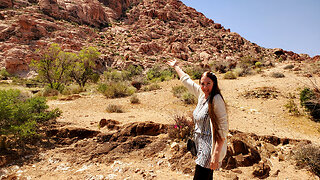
column 256, row 115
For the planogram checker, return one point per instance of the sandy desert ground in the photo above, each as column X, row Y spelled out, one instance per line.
column 251, row 115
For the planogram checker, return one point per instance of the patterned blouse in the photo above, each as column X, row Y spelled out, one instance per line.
column 202, row 135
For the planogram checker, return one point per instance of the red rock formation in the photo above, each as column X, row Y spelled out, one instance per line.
column 88, row 12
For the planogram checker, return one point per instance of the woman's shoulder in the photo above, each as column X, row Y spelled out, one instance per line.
column 217, row 97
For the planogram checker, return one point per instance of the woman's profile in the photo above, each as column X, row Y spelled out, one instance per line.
column 211, row 122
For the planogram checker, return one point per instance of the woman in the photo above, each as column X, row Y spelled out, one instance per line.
column 211, row 122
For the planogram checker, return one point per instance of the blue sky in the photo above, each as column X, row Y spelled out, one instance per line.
column 293, row 25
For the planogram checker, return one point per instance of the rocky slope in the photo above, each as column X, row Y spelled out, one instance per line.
column 126, row 32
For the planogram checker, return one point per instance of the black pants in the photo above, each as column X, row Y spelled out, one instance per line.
column 202, row 173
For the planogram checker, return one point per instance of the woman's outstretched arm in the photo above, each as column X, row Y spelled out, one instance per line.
column 173, row 63
column 185, row 79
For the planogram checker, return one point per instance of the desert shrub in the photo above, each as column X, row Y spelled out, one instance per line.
column 292, row 106
column 195, row 72
column 113, row 108
column 48, row 91
column 20, row 116
column 134, row 99
column 178, row 91
column 289, row 66
column 154, row 72
column 258, row 64
column 309, row 99
column 151, row 87
column 220, row 67
column 189, row 98
column 95, row 77
column 115, row 75
column 72, row 89
column 4, row 75
column 262, row 92
column 240, row 72
column 277, row 75
column 134, row 70
column 308, row 156
column 157, row 74
column 229, row 75
column 181, row 129
column 116, row 89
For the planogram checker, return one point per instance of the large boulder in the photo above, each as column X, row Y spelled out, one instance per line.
column 51, row 8
column 119, row 6
column 6, row 4
column 15, row 61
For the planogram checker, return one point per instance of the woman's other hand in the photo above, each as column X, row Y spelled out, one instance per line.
column 214, row 165
column 172, row 63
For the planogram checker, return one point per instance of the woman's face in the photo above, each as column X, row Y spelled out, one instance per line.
column 206, row 85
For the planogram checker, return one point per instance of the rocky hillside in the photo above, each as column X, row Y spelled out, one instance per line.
column 125, row 31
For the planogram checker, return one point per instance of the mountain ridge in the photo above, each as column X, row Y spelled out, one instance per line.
column 126, row 32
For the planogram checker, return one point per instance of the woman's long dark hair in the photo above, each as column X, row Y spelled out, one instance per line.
column 215, row 90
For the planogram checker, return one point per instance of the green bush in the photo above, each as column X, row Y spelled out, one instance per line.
column 20, row 116
column 258, row 64
column 310, row 101
column 116, row 89
column 229, row 75
column 178, row 91
column 4, row 75
column 157, row 74
column 116, row 76
column 134, row 70
column 308, row 156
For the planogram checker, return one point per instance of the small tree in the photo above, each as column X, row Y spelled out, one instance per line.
column 53, row 67
column 83, row 66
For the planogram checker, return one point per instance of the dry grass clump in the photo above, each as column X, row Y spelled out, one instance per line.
column 277, row 75
column 179, row 90
column 182, row 93
column 151, row 87
column 189, row 98
column 113, row 108
column 72, row 89
column 289, row 66
column 134, row 99
column 308, row 156
column 230, row 75
column 48, row 91
column 262, row 92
